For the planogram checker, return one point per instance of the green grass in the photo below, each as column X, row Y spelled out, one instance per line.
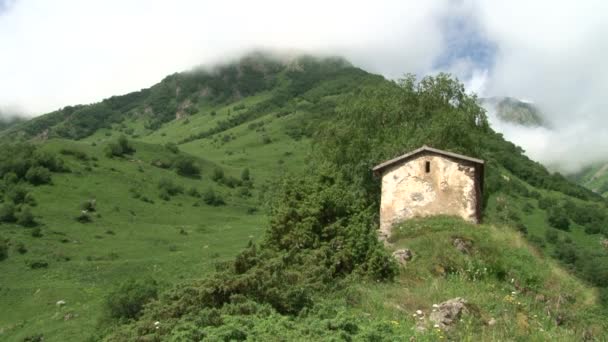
column 134, row 233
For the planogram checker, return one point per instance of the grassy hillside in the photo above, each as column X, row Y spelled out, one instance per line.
column 512, row 293
column 211, row 149
column 594, row 178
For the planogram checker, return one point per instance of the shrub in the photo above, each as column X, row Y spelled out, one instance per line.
column 3, row 249
column 84, row 217
column 37, row 264
column 36, row 232
column 21, row 249
column 119, row 148
column 16, row 194
column 186, row 166
column 566, row 253
column 558, row 219
column 172, row 147
column 168, row 188
column 193, row 192
column 211, row 198
column 217, row 175
column 38, row 175
column 7, row 212
column 89, row 205
column 25, row 217
column 127, row 301
column 245, row 176
column 551, row 235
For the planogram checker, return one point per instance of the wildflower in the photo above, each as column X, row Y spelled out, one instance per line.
column 436, row 326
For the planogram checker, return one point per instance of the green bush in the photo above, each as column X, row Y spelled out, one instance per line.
column 7, row 212
column 558, row 219
column 38, row 175
column 172, row 147
column 217, row 175
column 3, row 249
column 127, row 300
column 36, row 232
column 84, row 217
column 551, row 235
column 119, row 148
column 25, row 217
column 21, row 249
column 89, row 205
column 168, row 188
column 37, row 264
column 245, row 176
column 187, row 166
column 211, row 198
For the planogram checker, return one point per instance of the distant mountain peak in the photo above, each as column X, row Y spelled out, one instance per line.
column 512, row 110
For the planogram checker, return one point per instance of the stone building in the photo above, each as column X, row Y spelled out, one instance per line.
column 426, row 182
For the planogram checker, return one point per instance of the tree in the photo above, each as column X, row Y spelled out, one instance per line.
column 119, row 148
column 7, row 212
column 126, row 301
column 25, row 217
column 187, row 166
column 3, row 249
column 38, row 175
column 245, row 175
column 558, row 219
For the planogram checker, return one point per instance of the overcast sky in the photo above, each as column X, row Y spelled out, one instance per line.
column 62, row 52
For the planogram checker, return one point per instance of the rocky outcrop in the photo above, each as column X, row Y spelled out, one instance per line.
column 463, row 245
column 402, row 256
column 446, row 314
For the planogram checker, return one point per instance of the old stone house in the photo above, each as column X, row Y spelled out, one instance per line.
column 426, row 182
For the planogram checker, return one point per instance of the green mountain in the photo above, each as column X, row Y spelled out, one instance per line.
column 8, row 119
column 238, row 202
column 522, row 113
column 511, row 110
column 594, row 177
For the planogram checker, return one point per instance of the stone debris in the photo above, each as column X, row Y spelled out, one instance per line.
column 448, row 312
column 464, row 246
column 403, row 256
column 60, row 303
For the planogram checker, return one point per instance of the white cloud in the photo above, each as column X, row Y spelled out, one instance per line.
column 554, row 54
column 56, row 53
column 61, row 52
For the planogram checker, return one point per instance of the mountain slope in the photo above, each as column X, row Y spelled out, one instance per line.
column 514, row 111
column 594, row 178
column 247, row 125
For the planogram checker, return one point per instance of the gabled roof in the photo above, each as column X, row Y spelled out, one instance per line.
column 424, row 148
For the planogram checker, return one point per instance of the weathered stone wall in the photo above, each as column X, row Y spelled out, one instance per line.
column 409, row 191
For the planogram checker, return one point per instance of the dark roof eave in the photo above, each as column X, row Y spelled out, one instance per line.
column 376, row 169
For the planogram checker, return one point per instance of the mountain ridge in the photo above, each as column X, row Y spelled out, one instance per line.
column 239, row 181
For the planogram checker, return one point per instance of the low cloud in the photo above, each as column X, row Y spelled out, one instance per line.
column 64, row 52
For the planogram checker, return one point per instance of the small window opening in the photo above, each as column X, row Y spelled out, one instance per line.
column 427, row 167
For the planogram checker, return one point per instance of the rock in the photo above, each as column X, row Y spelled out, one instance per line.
column 540, row 298
column 492, row 322
column 604, row 243
column 60, row 303
column 69, row 316
column 403, row 255
column 448, row 313
column 464, row 246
